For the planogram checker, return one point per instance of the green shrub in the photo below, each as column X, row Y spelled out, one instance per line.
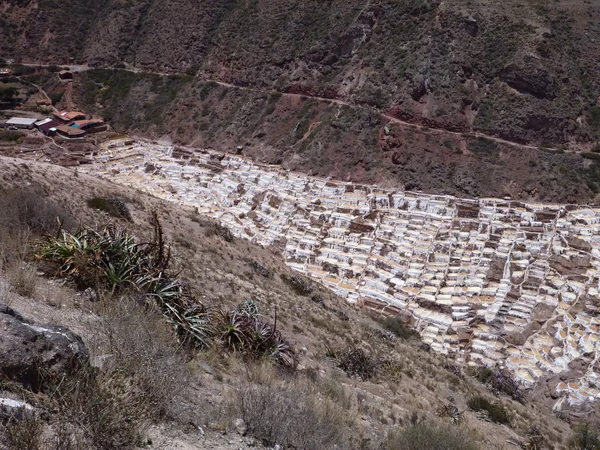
column 56, row 97
column 112, row 260
column 11, row 136
column 592, row 156
column 487, row 148
column 424, row 436
column 496, row 412
column 243, row 331
column 584, row 438
column 112, row 205
column 399, row 328
column 355, row 362
column 593, row 117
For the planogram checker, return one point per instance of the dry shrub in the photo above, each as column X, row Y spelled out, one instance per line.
column 7, row 296
column 356, row 362
column 425, row 436
column 142, row 346
column 291, row 413
column 102, row 413
column 143, row 378
column 27, row 214
column 23, row 434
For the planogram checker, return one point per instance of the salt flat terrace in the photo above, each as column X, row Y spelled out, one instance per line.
column 485, row 281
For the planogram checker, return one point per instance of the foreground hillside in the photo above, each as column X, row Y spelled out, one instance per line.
column 365, row 382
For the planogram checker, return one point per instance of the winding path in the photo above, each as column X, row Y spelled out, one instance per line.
column 392, row 119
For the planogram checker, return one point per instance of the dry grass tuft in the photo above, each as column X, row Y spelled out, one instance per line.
column 23, row 279
column 28, row 208
column 103, row 413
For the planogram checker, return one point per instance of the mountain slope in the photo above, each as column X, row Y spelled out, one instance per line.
column 522, row 70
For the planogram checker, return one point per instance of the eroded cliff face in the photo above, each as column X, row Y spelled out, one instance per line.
column 521, row 70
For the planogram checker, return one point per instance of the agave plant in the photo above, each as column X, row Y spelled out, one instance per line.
column 112, row 259
column 248, row 307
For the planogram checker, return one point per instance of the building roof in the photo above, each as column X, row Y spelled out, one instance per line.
column 27, row 121
column 84, row 123
column 43, row 121
column 48, row 124
column 70, row 115
column 69, row 131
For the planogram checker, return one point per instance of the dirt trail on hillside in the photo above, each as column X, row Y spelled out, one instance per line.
column 403, row 123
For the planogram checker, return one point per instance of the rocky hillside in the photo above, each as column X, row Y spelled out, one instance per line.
column 327, row 138
column 524, row 70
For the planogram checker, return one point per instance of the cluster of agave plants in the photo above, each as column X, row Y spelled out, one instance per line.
column 112, row 260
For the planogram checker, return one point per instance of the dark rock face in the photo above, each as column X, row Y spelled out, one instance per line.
column 527, row 80
column 30, row 351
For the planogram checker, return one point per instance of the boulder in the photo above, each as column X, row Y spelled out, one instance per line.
column 31, row 352
column 15, row 409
